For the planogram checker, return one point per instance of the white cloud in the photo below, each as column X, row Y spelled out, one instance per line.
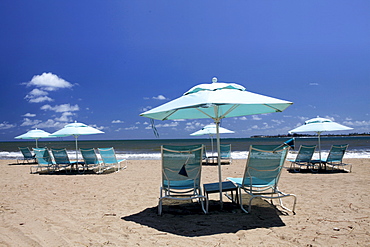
column 166, row 125
column 97, row 127
column 357, row 123
column 193, row 125
column 50, row 123
column 313, row 84
column 37, row 92
column 61, row 108
column 29, row 122
column 49, row 82
column 39, row 99
column 146, row 108
column 160, row 97
column 243, row 118
column 37, row 96
column 278, row 121
column 29, row 115
column 66, row 117
column 117, row 121
column 131, row 128
column 6, row 125
column 255, row 117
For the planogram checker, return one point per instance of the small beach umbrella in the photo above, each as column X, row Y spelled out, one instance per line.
column 319, row 125
column 217, row 101
column 34, row 134
column 211, row 130
column 76, row 129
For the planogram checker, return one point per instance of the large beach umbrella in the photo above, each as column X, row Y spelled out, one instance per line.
column 319, row 125
column 76, row 129
column 34, row 134
column 211, row 130
column 216, row 101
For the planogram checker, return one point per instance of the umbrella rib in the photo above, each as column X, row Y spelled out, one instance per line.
column 276, row 109
column 233, row 107
column 205, row 113
column 169, row 115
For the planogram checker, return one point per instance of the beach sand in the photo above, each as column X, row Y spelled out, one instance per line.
column 120, row 209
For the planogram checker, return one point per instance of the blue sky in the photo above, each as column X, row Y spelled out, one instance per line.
column 104, row 62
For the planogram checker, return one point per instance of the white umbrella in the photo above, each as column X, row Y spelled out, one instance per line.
column 217, row 101
column 211, row 130
column 76, row 129
column 319, row 125
column 34, row 134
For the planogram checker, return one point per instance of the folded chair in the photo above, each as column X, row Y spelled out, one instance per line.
column 27, row 155
column 91, row 160
column 335, row 158
column 181, row 174
column 262, row 173
column 303, row 158
column 110, row 160
column 62, row 160
column 44, row 161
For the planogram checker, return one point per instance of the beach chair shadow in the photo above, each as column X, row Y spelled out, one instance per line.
column 185, row 219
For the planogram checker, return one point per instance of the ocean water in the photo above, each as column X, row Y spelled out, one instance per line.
column 359, row 147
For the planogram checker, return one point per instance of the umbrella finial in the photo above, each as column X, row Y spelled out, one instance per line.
column 214, row 79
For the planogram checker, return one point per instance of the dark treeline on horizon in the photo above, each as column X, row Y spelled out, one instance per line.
column 299, row 135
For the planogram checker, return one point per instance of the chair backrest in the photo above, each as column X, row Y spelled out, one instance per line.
column 89, row 156
column 305, row 153
column 108, row 155
column 43, row 156
column 264, row 165
column 26, row 153
column 181, row 166
column 225, row 151
column 60, row 156
column 336, row 153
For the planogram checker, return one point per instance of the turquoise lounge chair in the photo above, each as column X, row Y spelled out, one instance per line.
column 27, row 155
column 262, row 174
column 335, row 158
column 91, row 160
column 181, row 174
column 45, row 161
column 62, row 160
column 110, row 160
column 303, row 158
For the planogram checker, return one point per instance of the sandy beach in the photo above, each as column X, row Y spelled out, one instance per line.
column 120, row 209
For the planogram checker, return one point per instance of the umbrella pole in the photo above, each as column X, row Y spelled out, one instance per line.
column 76, row 149
column 319, row 133
column 219, row 160
column 212, row 145
column 36, row 143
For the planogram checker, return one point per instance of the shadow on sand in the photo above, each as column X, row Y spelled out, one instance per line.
column 187, row 219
